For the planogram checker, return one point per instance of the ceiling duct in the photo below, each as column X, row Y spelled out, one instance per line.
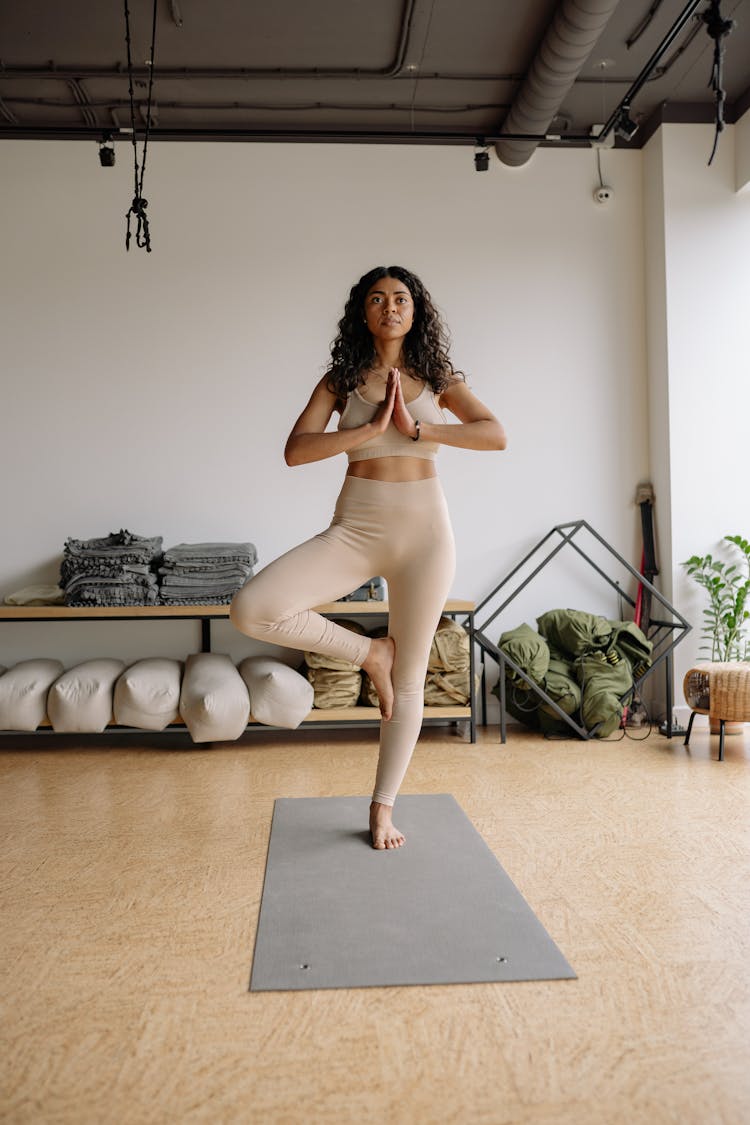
column 567, row 44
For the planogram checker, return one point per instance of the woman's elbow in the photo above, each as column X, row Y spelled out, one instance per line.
column 499, row 436
column 292, row 454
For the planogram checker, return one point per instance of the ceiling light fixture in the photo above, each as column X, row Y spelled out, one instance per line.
column 107, row 151
column 625, row 127
column 481, row 157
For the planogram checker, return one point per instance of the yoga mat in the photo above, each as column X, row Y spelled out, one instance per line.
column 336, row 913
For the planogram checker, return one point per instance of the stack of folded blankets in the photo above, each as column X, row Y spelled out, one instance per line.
column 206, row 573
column 119, row 569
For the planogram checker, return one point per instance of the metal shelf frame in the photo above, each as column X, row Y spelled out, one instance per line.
column 664, row 634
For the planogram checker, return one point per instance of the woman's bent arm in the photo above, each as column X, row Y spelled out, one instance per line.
column 479, row 428
column 302, row 448
column 309, row 441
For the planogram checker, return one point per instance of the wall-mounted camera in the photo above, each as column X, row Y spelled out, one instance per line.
column 603, row 194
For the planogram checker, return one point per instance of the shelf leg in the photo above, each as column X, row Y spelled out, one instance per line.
column 205, row 634
column 503, row 732
column 472, row 690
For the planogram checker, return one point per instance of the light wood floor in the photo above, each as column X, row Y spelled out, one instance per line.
column 131, row 881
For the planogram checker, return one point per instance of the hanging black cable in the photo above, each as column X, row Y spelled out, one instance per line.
column 139, row 204
column 718, row 29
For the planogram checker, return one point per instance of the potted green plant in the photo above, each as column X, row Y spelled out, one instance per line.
column 725, row 618
column 728, row 587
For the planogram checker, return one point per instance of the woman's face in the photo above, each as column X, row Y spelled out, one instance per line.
column 389, row 309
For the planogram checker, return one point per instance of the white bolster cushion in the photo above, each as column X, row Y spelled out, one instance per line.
column 81, row 700
column 279, row 696
column 23, row 693
column 214, row 703
column 147, row 694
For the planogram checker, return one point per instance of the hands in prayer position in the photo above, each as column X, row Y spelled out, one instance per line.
column 393, row 408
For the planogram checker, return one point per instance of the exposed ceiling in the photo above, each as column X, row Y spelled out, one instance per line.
column 411, row 71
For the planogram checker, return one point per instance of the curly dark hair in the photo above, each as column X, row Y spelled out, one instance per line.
column 425, row 346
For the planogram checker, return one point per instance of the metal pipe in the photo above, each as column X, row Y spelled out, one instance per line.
column 261, row 74
column 393, row 70
column 567, row 44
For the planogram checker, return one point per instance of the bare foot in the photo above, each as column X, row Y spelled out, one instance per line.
column 378, row 667
column 384, row 833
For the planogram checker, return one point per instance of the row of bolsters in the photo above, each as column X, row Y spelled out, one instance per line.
column 214, row 698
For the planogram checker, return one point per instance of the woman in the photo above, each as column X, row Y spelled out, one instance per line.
column 390, row 378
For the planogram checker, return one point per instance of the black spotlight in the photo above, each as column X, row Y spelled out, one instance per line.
column 481, row 160
column 625, row 127
column 107, row 152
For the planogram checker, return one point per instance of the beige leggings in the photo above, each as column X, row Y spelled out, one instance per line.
column 400, row 530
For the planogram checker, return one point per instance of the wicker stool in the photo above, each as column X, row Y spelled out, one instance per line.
column 721, row 691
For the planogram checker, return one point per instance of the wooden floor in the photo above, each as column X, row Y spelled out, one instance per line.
column 131, row 881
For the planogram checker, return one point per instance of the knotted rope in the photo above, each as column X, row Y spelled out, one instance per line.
column 718, row 29
column 139, row 204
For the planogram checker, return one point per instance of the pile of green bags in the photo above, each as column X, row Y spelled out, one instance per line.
column 585, row 663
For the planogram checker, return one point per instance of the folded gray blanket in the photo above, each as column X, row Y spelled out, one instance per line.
column 211, row 552
column 112, row 595
column 197, row 593
column 100, row 568
column 106, row 580
column 230, row 570
column 211, row 599
column 205, row 579
column 122, row 544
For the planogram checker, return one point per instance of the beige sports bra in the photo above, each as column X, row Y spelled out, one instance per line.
column 358, row 411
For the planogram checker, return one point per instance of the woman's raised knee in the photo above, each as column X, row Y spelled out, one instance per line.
column 247, row 613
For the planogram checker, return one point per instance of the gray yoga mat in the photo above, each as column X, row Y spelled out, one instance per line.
column 335, row 913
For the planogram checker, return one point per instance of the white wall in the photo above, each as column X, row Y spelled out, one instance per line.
column 155, row 391
column 698, row 267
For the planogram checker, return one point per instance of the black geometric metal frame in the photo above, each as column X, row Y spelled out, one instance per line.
column 663, row 634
